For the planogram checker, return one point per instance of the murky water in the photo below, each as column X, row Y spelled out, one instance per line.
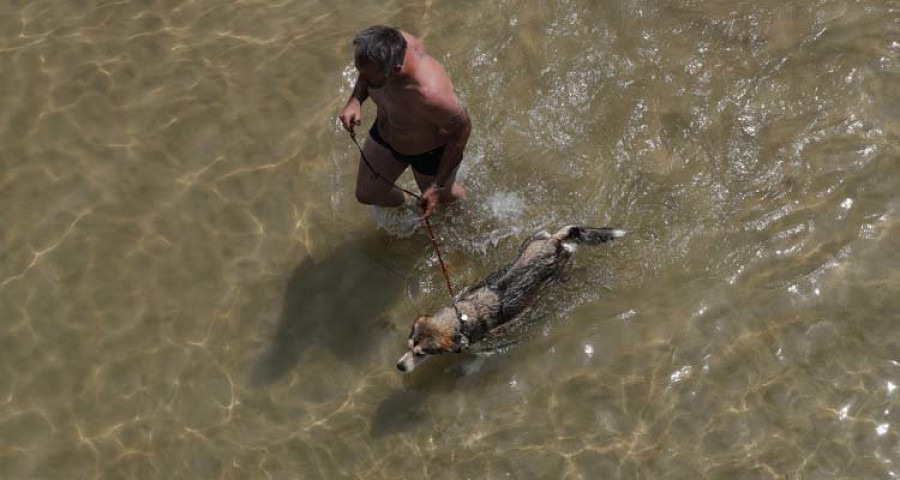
column 188, row 288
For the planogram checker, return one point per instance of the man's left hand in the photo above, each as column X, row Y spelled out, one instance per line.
column 429, row 200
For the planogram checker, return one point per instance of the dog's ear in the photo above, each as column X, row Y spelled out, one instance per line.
column 445, row 342
column 417, row 326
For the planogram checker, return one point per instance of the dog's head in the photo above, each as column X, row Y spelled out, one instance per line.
column 429, row 336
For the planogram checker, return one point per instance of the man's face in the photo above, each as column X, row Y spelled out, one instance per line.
column 372, row 74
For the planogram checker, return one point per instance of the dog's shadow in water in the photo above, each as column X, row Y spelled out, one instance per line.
column 405, row 410
column 336, row 302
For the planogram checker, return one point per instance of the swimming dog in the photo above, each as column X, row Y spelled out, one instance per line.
column 502, row 297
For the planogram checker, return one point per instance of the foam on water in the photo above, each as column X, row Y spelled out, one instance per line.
column 401, row 222
column 505, row 205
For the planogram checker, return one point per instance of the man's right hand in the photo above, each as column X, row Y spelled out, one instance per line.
column 351, row 115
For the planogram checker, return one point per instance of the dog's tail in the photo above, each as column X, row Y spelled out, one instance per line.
column 588, row 235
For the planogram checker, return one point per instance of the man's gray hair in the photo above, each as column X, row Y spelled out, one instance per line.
column 380, row 45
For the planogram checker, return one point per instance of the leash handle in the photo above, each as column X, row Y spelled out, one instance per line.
column 434, row 242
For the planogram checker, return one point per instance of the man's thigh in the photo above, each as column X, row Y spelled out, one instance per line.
column 383, row 163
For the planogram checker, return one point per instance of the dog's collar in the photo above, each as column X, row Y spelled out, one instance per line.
column 463, row 333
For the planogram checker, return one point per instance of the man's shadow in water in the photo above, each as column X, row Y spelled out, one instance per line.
column 337, row 302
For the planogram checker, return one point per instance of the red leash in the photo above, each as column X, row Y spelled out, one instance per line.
column 434, row 242
column 441, row 260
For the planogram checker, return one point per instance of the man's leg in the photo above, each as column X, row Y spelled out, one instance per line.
column 372, row 190
column 453, row 191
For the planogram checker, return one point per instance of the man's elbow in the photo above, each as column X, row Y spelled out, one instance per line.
column 464, row 131
column 458, row 132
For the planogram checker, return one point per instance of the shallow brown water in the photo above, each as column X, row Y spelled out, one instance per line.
column 188, row 288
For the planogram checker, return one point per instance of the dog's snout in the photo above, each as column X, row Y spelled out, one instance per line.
column 406, row 363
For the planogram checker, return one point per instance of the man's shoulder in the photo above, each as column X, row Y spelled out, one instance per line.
column 438, row 97
column 413, row 43
column 434, row 83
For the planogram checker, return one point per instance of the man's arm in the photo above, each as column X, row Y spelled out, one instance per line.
column 351, row 115
column 360, row 91
column 458, row 129
column 448, row 115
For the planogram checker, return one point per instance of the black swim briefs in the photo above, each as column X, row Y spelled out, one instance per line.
column 425, row 163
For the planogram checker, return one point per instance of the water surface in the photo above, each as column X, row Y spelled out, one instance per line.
column 188, row 288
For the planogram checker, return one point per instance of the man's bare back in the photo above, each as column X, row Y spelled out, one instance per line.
column 420, row 121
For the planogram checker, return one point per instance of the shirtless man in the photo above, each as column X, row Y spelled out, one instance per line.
column 420, row 121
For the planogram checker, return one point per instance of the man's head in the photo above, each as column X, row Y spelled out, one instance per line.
column 378, row 53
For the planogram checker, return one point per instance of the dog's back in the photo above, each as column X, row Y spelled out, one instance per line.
column 509, row 292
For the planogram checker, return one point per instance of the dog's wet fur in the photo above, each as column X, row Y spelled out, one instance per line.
column 504, row 296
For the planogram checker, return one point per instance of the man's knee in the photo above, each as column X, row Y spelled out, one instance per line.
column 366, row 197
column 453, row 193
column 380, row 198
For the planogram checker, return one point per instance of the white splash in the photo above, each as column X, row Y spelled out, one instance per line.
column 400, row 222
column 680, row 375
column 845, row 410
column 505, row 205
